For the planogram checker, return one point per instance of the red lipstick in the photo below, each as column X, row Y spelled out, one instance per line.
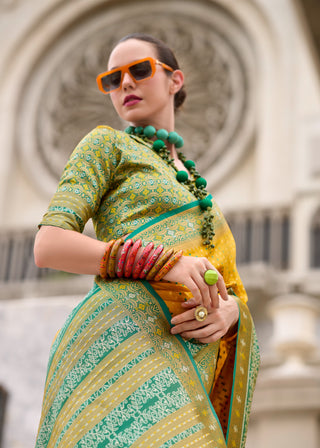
column 131, row 100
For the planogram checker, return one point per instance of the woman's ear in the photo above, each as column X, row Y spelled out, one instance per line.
column 177, row 80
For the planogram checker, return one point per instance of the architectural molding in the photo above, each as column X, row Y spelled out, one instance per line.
column 60, row 102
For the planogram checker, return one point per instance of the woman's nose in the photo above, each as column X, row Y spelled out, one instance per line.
column 127, row 80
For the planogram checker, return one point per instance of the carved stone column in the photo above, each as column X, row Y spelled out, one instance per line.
column 295, row 330
column 256, row 248
column 287, row 399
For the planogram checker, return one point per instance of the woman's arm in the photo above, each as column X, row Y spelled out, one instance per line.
column 71, row 251
column 68, row 250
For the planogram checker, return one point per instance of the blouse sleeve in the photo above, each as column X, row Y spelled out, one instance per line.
column 86, row 178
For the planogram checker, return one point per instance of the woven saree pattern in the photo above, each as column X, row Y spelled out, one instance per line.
column 116, row 375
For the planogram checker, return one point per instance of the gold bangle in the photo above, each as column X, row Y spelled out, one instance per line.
column 159, row 263
column 111, row 269
column 169, row 265
column 105, row 258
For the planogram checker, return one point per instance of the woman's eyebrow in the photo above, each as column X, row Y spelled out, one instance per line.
column 119, row 66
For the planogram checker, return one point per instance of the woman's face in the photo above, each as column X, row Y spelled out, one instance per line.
column 150, row 101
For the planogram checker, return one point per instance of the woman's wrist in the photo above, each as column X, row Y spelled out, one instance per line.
column 127, row 258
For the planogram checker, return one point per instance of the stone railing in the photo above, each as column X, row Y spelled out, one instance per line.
column 262, row 236
column 16, row 257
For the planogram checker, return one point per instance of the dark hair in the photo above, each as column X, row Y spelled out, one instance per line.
column 166, row 55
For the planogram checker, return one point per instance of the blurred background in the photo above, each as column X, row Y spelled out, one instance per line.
column 252, row 123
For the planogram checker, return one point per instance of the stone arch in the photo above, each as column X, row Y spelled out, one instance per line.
column 59, row 101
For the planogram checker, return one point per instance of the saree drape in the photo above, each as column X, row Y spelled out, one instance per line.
column 118, row 378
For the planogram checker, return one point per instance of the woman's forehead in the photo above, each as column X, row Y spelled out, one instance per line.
column 129, row 51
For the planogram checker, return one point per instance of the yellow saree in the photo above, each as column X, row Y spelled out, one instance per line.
column 116, row 375
column 118, row 378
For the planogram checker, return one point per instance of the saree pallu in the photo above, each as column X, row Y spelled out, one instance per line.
column 118, row 378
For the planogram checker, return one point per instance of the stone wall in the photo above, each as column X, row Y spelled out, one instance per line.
column 252, row 122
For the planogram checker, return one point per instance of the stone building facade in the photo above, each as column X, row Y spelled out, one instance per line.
column 251, row 122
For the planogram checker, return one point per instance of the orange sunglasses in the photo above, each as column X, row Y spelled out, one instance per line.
column 139, row 70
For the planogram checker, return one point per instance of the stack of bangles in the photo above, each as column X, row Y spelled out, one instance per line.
column 148, row 266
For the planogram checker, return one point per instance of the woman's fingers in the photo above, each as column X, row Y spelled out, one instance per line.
column 183, row 317
column 195, row 291
column 204, row 335
column 209, row 293
column 190, row 271
column 186, row 322
column 222, row 287
column 197, row 330
column 219, row 322
column 214, row 296
column 219, row 286
column 204, row 291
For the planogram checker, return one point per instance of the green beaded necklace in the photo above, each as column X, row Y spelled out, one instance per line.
column 195, row 184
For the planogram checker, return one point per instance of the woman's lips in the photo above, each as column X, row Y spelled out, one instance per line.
column 131, row 100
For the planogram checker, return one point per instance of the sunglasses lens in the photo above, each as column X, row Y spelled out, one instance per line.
column 138, row 71
column 111, row 81
column 141, row 70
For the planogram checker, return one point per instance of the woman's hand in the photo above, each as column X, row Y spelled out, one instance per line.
column 190, row 271
column 220, row 322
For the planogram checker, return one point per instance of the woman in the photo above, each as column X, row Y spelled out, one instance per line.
column 142, row 362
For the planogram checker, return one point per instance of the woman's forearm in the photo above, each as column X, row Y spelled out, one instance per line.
column 67, row 250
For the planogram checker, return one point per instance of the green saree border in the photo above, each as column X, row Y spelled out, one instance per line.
column 153, row 305
column 167, row 314
column 165, row 215
column 244, row 379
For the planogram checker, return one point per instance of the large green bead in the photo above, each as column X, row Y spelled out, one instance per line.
column 129, row 130
column 173, row 137
column 157, row 145
column 179, row 143
column 138, row 130
column 149, row 131
column 182, row 176
column 201, row 182
column 211, row 277
column 189, row 164
column 162, row 134
column 205, row 203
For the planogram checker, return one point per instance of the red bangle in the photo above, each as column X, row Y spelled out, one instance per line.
column 132, row 256
column 104, row 259
column 166, row 268
column 123, row 256
column 151, row 261
column 139, row 266
column 158, row 265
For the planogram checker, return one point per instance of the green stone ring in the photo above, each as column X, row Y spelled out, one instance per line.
column 211, row 277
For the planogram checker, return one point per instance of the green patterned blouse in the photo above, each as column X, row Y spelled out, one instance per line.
column 118, row 181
